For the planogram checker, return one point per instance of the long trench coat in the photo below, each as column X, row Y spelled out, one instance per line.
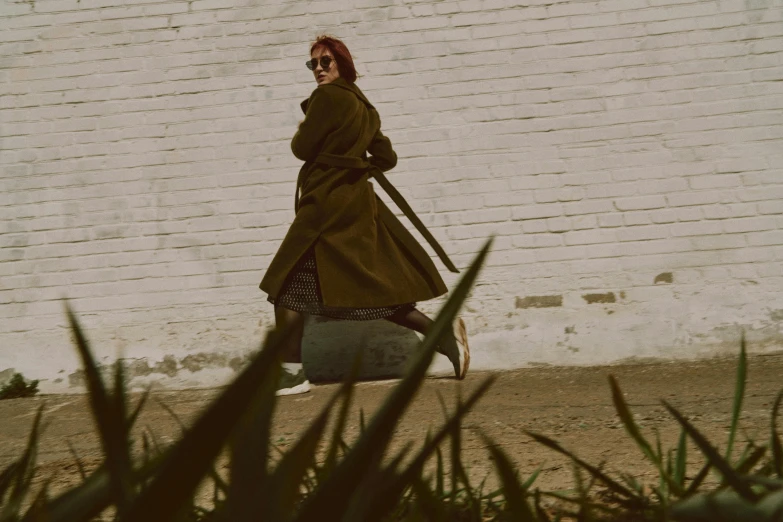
column 365, row 257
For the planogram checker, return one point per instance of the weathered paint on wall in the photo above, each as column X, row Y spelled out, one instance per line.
column 628, row 156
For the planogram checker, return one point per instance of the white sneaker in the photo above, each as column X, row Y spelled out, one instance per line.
column 292, row 380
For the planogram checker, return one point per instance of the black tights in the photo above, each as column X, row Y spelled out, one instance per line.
column 410, row 318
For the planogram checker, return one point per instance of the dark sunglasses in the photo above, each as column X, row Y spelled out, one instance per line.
column 326, row 62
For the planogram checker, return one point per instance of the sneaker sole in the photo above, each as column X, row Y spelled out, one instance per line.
column 461, row 333
column 294, row 390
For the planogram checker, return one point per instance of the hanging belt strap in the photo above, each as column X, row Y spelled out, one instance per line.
column 395, row 196
column 348, row 162
column 299, row 182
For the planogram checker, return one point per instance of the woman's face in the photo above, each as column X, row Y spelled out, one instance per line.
column 328, row 75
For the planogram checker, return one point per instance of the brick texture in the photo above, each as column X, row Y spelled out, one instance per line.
column 147, row 175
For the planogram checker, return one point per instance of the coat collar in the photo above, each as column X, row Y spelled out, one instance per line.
column 341, row 83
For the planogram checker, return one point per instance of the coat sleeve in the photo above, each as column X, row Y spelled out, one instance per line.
column 383, row 156
column 318, row 122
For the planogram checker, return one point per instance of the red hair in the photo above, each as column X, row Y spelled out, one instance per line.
column 341, row 55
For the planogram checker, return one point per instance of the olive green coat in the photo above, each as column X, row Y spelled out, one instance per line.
column 365, row 256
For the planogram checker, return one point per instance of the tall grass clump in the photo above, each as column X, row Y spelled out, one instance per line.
column 728, row 486
column 361, row 481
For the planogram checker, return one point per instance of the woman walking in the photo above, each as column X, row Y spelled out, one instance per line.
column 346, row 255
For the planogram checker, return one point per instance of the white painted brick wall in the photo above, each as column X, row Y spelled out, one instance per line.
column 628, row 154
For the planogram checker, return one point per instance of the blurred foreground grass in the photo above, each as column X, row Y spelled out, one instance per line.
column 321, row 477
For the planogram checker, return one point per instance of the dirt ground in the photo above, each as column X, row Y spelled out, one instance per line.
column 571, row 405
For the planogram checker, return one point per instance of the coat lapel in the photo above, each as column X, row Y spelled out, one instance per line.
column 339, row 82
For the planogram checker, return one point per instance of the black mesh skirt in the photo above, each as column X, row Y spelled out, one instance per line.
column 302, row 293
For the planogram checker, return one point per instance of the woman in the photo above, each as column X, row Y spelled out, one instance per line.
column 346, row 255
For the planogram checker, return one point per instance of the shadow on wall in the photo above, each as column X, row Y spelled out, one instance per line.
column 329, row 348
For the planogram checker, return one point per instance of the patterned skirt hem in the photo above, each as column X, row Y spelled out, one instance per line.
column 346, row 314
column 302, row 293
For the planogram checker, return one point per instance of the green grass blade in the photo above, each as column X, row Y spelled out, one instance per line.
column 482, row 484
column 87, row 500
column 362, row 505
column 134, row 416
column 632, row 483
column 698, row 480
column 155, row 444
column 458, row 472
column 739, row 395
column 770, row 484
column 347, row 391
column 594, row 506
column 473, row 503
column 120, row 439
column 747, row 463
column 77, row 460
column 777, row 448
column 527, row 484
column 665, row 480
column 191, row 458
column 219, row 483
column 23, row 472
column 626, row 417
column 384, row 502
column 331, row 500
column 515, row 494
column 7, row 477
column 730, row 476
column 146, row 450
column 181, row 425
column 248, row 473
column 439, row 474
column 286, row 480
column 541, row 513
column 680, row 460
column 750, row 447
column 37, row 510
column 108, row 417
column 385, row 496
column 582, row 499
column 455, row 452
column 119, row 397
column 613, row 485
column 395, row 463
column 430, row 505
column 361, row 500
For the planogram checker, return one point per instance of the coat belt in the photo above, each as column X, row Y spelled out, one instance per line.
column 351, row 162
